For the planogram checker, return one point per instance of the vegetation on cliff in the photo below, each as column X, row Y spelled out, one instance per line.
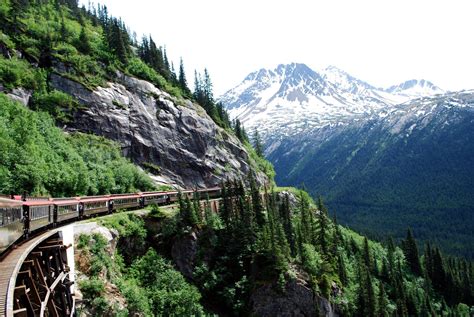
column 149, row 283
column 40, row 159
column 259, row 241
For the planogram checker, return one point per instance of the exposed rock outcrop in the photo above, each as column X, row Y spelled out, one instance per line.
column 21, row 95
column 183, row 252
column 154, row 127
column 83, row 260
column 295, row 299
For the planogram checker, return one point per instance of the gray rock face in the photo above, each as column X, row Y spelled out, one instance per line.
column 154, row 127
column 184, row 253
column 21, row 95
column 89, row 228
column 297, row 299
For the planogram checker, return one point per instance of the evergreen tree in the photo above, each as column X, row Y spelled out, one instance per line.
column 342, row 271
column 238, row 130
column 183, row 84
column 321, row 206
column 83, row 44
column 208, row 94
column 371, row 301
column 383, row 302
column 256, row 201
column 63, row 31
column 223, row 115
column 410, row 250
column 17, row 8
column 322, row 233
column 187, row 215
column 118, row 40
column 306, row 219
column 368, row 260
column 285, row 214
column 257, row 143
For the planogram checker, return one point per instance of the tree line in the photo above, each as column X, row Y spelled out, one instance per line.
column 269, row 236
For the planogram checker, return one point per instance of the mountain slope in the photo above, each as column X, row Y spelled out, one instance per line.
column 381, row 165
column 83, row 68
column 384, row 175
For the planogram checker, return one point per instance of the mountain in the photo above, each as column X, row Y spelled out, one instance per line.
column 383, row 159
column 415, row 88
column 93, row 107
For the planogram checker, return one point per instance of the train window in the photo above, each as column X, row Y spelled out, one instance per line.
column 95, row 205
column 9, row 215
column 66, row 209
column 38, row 212
column 124, row 201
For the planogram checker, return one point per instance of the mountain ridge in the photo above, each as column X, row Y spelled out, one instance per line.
column 377, row 157
column 293, row 98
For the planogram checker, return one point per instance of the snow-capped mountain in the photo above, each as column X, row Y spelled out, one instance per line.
column 293, row 99
column 384, row 159
column 415, row 88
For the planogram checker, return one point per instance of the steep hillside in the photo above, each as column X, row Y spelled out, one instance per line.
column 276, row 256
column 175, row 137
column 81, row 67
column 382, row 176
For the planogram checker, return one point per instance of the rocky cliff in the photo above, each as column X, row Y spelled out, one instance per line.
column 176, row 137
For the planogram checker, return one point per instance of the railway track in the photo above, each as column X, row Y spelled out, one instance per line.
column 10, row 267
column 23, row 260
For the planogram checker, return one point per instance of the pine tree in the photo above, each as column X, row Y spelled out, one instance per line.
column 342, row 271
column 183, row 84
column 383, row 302
column 118, row 40
column 321, row 206
column 17, row 8
column 256, row 201
column 209, row 96
column 257, row 143
column 306, row 219
column 410, row 250
column 63, row 31
column 322, row 234
column 371, row 303
column 368, row 261
column 83, row 44
column 187, row 215
column 238, row 130
column 223, row 115
column 285, row 214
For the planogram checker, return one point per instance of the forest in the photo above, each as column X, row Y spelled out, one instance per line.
column 255, row 240
column 274, row 239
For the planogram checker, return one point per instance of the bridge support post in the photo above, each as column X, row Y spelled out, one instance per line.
column 45, row 282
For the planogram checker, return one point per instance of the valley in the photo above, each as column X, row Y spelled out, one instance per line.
column 384, row 159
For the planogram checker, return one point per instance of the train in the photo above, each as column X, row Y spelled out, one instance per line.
column 21, row 217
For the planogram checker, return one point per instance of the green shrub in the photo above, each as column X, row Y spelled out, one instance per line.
column 56, row 103
column 15, row 72
column 37, row 157
column 92, row 288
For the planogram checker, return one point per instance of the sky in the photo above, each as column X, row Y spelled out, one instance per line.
column 382, row 42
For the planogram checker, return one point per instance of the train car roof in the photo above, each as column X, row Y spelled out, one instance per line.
column 154, row 193
column 125, row 197
column 10, row 203
column 33, row 203
column 95, row 199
